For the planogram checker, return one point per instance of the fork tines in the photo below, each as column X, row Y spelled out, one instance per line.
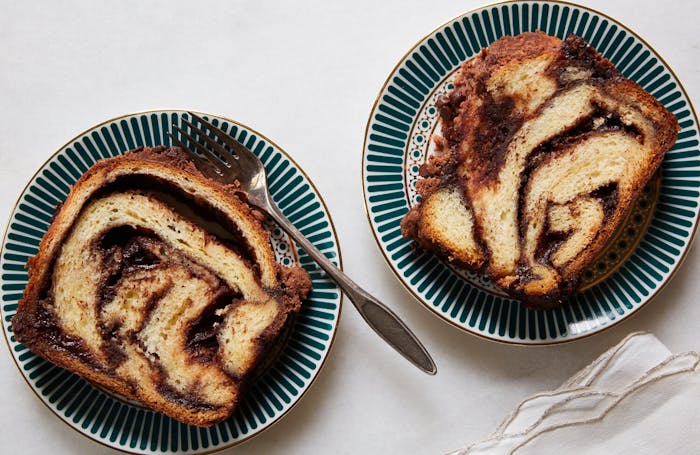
column 220, row 150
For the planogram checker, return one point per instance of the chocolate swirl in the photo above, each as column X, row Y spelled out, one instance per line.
column 158, row 284
column 545, row 147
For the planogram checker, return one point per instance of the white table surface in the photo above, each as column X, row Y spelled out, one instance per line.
column 306, row 75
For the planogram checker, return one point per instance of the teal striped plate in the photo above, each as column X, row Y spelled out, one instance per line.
column 126, row 426
column 642, row 256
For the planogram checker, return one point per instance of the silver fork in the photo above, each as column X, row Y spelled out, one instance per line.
column 238, row 163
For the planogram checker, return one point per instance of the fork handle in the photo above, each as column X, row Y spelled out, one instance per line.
column 382, row 320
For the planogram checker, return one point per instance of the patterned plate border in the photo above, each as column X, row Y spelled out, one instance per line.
column 111, row 421
column 393, row 133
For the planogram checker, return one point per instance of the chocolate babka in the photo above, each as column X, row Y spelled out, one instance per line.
column 543, row 148
column 160, row 284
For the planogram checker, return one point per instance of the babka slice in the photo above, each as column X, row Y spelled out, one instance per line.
column 160, row 284
column 544, row 147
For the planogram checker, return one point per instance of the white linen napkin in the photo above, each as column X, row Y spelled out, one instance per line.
column 636, row 398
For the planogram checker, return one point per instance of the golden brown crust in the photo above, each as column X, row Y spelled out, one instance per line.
column 524, row 109
column 275, row 293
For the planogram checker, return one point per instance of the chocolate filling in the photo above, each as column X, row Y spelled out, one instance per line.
column 202, row 343
column 498, row 126
column 608, row 195
column 124, row 251
column 576, row 51
column 271, row 354
column 550, row 240
column 551, row 148
column 188, row 399
column 43, row 327
column 127, row 250
column 194, row 209
column 548, row 243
